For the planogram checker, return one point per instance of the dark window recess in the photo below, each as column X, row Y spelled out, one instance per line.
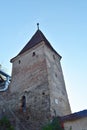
column 19, row 61
column 55, row 74
column 54, row 57
column 43, row 93
column 23, row 103
column 27, row 118
column 33, row 54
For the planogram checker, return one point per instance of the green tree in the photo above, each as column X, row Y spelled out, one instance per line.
column 55, row 125
column 5, row 124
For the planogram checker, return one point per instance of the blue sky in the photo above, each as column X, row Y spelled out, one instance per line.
column 64, row 23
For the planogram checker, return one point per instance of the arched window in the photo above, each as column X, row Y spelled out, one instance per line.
column 23, row 103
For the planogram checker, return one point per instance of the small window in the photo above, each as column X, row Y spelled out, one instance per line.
column 23, row 103
column 19, row 61
column 43, row 93
column 56, row 74
column 33, row 54
column 54, row 57
column 27, row 118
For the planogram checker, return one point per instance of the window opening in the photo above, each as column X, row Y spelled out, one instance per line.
column 56, row 74
column 23, row 103
column 33, row 54
column 43, row 93
column 19, row 61
column 54, row 57
column 27, row 117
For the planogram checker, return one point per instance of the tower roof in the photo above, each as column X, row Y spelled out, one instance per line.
column 36, row 39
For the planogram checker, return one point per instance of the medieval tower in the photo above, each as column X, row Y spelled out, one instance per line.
column 37, row 76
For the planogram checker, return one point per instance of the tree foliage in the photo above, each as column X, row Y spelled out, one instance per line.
column 54, row 125
column 5, row 124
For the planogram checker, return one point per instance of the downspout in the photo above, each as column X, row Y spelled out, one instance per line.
column 7, row 82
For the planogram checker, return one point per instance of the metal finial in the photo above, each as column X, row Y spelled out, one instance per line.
column 38, row 26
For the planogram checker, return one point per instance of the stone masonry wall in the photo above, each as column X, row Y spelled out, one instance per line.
column 30, row 78
column 37, row 75
column 58, row 96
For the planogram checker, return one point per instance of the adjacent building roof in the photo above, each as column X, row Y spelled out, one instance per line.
column 36, row 39
column 74, row 116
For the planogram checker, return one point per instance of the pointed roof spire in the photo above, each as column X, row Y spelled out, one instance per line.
column 36, row 39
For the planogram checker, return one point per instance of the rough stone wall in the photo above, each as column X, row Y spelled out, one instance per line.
column 37, row 74
column 19, row 119
column 58, row 96
column 30, row 78
column 27, row 69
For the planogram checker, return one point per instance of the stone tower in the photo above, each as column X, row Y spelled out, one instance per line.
column 37, row 74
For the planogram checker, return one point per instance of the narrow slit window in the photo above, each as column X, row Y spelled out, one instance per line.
column 19, row 61
column 23, row 103
column 54, row 57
